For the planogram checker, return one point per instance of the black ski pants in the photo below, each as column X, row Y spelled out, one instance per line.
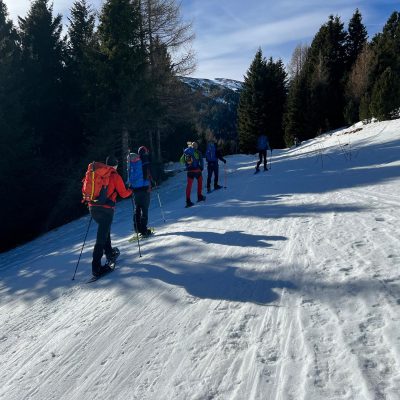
column 212, row 168
column 141, row 214
column 103, row 217
column 262, row 154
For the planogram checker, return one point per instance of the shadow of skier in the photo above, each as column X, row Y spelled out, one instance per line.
column 218, row 284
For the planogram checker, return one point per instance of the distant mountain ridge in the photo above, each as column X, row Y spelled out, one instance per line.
column 216, row 101
column 197, row 83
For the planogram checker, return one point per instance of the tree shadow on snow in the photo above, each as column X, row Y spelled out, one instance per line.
column 229, row 238
column 217, row 284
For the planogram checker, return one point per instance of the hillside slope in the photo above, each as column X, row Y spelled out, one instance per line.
column 216, row 102
column 283, row 286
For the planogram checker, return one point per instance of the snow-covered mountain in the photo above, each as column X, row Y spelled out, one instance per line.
column 216, row 103
column 285, row 285
column 208, row 85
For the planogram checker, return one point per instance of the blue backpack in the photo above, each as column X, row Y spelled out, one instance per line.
column 191, row 161
column 135, row 172
column 211, row 152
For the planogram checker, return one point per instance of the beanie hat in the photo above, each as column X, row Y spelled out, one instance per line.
column 142, row 150
column 111, row 161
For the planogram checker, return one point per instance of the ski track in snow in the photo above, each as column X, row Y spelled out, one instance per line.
column 284, row 286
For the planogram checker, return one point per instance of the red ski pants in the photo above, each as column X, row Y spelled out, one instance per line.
column 190, row 178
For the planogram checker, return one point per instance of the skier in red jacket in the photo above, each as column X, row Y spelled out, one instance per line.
column 103, row 215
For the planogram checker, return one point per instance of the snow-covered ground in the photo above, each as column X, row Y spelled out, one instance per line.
column 283, row 286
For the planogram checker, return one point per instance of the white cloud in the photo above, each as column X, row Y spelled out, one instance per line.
column 267, row 34
column 223, row 67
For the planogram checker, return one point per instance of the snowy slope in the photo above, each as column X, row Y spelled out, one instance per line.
column 283, row 286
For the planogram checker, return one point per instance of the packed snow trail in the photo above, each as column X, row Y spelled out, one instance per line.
column 283, row 286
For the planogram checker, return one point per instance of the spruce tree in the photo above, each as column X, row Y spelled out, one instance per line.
column 275, row 100
column 385, row 101
column 386, row 46
column 325, row 69
column 356, row 43
column 252, row 106
column 356, row 39
column 384, row 88
column 81, row 31
column 15, row 142
column 295, row 120
column 81, row 75
column 10, row 75
column 43, row 52
column 122, row 77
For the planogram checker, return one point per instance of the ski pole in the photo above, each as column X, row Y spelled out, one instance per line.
column 159, row 202
column 83, row 245
column 270, row 160
column 225, row 175
column 136, row 223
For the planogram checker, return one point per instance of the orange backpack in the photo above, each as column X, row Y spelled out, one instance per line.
column 95, row 183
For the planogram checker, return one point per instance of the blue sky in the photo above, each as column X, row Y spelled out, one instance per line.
column 229, row 32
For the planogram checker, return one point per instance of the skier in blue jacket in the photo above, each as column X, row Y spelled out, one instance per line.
column 213, row 154
column 262, row 147
column 140, row 182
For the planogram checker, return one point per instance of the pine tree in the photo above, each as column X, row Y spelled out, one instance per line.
column 81, row 75
column 10, row 75
column 356, row 39
column 43, row 59
column 275, row 101
column 364, row 108
column 15, row 143
column 122, row 77
column 325, row 70
column 386, row 46
column 252, row 107
column 381, row 98
column 385, row 96
column 296, row 121
column 43, row 53
column 262, row 102
column 356, row 44
column 81, row 31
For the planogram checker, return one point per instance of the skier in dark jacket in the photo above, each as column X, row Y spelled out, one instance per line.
column 262, row 147
column 213, row 154
column 103, row 214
